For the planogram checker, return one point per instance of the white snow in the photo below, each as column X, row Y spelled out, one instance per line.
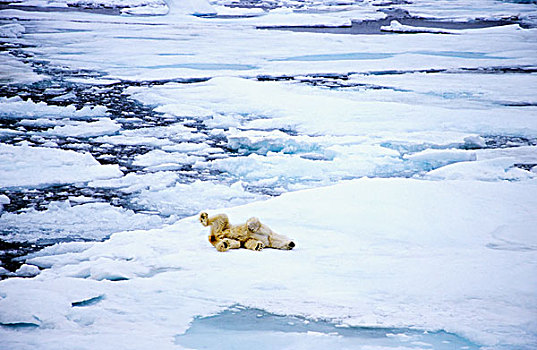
column 190, row 7
column 86, row 221
column 103, row 126
column 347, row 115
column 448, row 243
column 27, row 271
column 449, row 255
column 229, row 46
column 3, row 201
column 157, row 158
column 40, row 123
column 81, row 199
column 129, row 140
column 136, row 7
column 200, row 195
column 490, row 165
column 131, row 183
column 437, row 158
column 15, row 107
column 15, row 71
column 397, row 27
column 340, row 135
column 459, row 10
column 473, row 91
column 40, row 166
column 161, row 192
column 13, row 30
column 9, row 132
column 178, row 109
column 496, row 169
column 155, row 137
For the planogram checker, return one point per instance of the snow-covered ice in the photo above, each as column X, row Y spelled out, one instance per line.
column 384, row 253
column 40, row 166
column 394, row 141
column 27, row 271
column 15, row 71
column 17, row 108
column 198, row 193
column 13, row 30
column 103, row 126
column 397, row 27
column 95, row 221
column 3, row 200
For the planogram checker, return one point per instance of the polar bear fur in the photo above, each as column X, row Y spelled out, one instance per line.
column 251, row 235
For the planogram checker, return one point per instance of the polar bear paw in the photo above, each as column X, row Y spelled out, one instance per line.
column 259, row 246
column 204, row 219
column 223, row 245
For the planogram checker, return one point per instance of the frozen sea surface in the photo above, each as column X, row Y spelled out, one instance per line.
column 401, row 256
column 123, row 118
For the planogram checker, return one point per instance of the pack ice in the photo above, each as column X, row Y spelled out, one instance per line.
column 380, row 253
column 394, row 141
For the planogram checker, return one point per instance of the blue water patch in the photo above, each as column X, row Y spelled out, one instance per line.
column 459, row 54
column 22, row 325
column 246, row 328
column 522, row 1
column 19, row 325
column 88, row 302
column 205, row 66
column 148, row 38
column 175, row 54
column 356, row 56
column 339, row 57
column 72, row 53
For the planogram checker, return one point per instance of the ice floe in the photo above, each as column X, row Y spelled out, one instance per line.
column 27, row 271
column 3, row 201
column 16, row 107
column 156, row 160
column 485, row 170
column 132, row 182
column 191, row 7
column 94, row 221
column 380, row 252
column 323, row 136
column 13, row 30
column 491, row 165
column 171, row 201
column 397, row 27
column 235, row 105
column 103, row 126
column 41, row 166
column 14, row 71
column 317, row 112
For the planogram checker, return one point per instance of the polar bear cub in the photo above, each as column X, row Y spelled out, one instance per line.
column 251, row 235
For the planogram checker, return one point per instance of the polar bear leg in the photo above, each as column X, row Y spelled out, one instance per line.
column 227, row 244
column 218, row 222
column 222, row 246
column 254, row 244
column 233, row 243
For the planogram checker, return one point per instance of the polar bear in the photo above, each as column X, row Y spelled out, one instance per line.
column 252, row 235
